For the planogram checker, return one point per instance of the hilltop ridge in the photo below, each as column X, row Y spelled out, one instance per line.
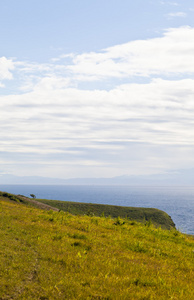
column 139, row 214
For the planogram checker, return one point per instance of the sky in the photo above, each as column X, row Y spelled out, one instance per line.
column 96, row 88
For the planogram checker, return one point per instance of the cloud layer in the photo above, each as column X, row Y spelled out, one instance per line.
column 146, row 116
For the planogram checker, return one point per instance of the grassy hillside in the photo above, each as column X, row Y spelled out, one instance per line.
column 139, row 214
column 56, row 255
column 156, row 216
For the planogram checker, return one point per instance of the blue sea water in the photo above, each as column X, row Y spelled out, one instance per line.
column 178, row 202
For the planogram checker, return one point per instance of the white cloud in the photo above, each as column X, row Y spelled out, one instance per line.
column 169, row 3
column 6, row 66
column 179, row 14
column 168, row 55
column 63, row 56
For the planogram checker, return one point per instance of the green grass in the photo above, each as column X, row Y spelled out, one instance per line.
column 57, row 255
column 156, row 216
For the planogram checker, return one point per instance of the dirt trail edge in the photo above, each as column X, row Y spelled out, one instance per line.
column 36, row 203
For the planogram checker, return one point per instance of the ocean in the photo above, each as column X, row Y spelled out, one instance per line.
column 178, row 202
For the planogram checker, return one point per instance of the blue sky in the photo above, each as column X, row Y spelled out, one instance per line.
column 96, row 88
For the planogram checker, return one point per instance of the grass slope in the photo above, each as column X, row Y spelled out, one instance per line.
column 56, row 255
column 156, row 216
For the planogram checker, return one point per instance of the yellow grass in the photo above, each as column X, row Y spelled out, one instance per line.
column 55, row 255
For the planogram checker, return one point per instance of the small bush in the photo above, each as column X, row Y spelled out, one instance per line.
column 78, row 236
column 119, row 221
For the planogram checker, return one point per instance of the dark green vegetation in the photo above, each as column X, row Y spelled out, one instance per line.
column 156, row 216
column 139, row 214
column 57, row 255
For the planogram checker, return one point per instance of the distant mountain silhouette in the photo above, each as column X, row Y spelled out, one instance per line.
column 180, row 177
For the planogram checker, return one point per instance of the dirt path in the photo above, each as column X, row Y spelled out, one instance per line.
column 37, row 204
